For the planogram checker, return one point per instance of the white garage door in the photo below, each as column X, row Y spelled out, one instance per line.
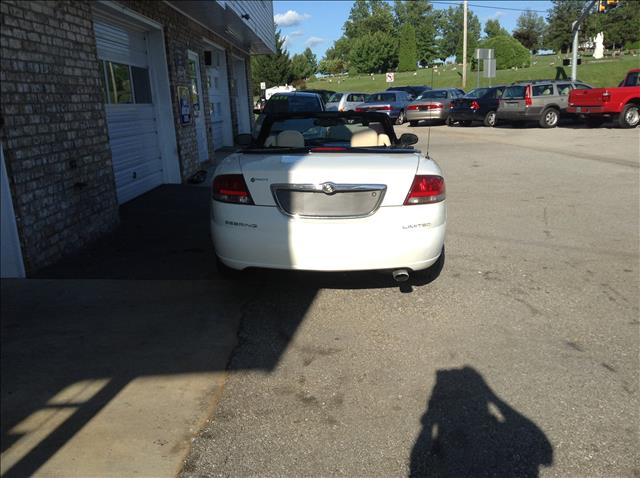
column 131, row 115
column 219, row 98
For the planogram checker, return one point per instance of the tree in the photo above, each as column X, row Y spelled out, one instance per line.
column 407, row 53
column 304, row 64
column 368, row 17
column 529, row 30
column 373, row 53
column 421, row 16
column 560, row 18
column 492, row 28
column 336, row 58
column 451, row 26
column 272, row 69
column 508, row 52
column 621, row 25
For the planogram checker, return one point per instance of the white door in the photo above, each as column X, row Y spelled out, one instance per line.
column 241, row 95
column 219, row 99
column 195, row 88
column 131, row 114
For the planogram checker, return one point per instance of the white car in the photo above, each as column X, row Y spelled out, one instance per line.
column 329, row 191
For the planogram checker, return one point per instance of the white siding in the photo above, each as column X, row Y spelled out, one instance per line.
column 260, row 18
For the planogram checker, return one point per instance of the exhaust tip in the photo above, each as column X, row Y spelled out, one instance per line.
column 400, row 275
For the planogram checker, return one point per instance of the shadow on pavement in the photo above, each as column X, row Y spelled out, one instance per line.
column 468, row 430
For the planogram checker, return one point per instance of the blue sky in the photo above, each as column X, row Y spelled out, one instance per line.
column 318, row 23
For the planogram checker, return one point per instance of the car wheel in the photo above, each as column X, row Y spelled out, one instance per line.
column 400, row 119
column 490, row 119
column 629, row 116
column 449, row 121
column 466, row 123
column 594, row 122
column 549, row 118
column 413, row 123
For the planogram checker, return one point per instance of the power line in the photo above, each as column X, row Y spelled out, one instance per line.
column 495, row 7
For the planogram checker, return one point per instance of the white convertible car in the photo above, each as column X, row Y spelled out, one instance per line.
column 329, row 191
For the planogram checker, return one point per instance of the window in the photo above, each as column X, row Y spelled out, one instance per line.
column 432, row 94
column 582, row 86
column 359, row 97
column 335, row 98
column 542, row 90
column 477, row 93
column 381, row 97
column 633, row 79
column 564, row 88
column 497, row 93
column 125, row 84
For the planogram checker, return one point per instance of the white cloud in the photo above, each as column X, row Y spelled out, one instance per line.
column 290, row 19
column 297, row 33
column 314, row 41
column 497, row 14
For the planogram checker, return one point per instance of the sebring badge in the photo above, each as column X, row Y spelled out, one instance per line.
column 328, row 188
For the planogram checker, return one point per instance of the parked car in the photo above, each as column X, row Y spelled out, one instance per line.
column 345, row 101
column 432, row 105
column 392, row 103
column 324, row 94
column 293, row 102
column 543, row 101
column 414, row 90
column 598, row 104
column 480, row 104
column 333, row 191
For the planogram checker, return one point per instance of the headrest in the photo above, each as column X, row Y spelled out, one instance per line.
column 383, row 140
column 364, row 139
column 290, row 139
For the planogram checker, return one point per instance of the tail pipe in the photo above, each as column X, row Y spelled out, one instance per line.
column 400, row 275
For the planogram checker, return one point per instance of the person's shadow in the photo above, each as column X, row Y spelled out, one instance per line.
column 468, row 431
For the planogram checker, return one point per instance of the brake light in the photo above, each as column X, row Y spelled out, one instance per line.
column 475, row 105
column 426, row 189
column 383, row 108
column 359, row 109
column 527, row 96
column 436, row 106
column 412, row 107
column 606, row 96
column 231, row 188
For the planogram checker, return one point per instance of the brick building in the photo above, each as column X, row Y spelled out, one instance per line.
column 102, row 101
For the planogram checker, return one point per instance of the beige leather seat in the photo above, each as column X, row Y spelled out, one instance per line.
column 364, row 139
column 383, row 140
column 290, row 139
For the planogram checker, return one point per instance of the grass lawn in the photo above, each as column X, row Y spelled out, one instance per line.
column 605, row 72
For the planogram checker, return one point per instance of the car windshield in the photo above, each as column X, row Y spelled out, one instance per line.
column 432, row 94
column 278, row 104
column 477, row 93
column 381, row 97
column 514, row 92
column 335, row 98
column 304, row 131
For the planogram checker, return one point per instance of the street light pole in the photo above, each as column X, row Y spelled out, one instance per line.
column 464, row 48
column 575, row 30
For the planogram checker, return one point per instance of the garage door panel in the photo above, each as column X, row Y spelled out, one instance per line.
column 129, row 191
column 138, row 172
column 118, row 44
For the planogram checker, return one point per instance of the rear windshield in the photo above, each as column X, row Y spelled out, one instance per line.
column 328, row 132
column 335, row 98
column 477, row 93
column 292, row 104
column 381, row 97
column 514, row 92
column 432, row 94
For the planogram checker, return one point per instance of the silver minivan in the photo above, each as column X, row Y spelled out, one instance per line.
column 541, row 100
column 345, row 101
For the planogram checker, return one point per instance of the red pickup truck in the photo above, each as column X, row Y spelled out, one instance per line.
column 598, row 104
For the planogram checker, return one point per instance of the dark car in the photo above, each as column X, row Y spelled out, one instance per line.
column 480, row 104
column 324, row 94
column 414, row 91
column 291, row 102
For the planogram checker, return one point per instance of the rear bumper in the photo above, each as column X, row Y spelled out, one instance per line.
column 466, row 115
column 590, row 110
column 417, row 115
column 394, row 237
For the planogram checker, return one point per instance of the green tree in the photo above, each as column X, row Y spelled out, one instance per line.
column 529, row 30
column 559, row 20
column 407, row 53
column 368, row 17
column 336, row 58
column 420, row 15
column 492, row 28
column 303, row 65
column 451, row 27
column 621, row 25
column 509, row 52
column 272, row 69
column 373, row 53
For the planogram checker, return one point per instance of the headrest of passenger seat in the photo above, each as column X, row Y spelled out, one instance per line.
column 364, row 139
column 290, row 139
column 383, row 140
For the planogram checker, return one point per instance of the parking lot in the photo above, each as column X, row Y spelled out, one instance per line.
column 520, row 356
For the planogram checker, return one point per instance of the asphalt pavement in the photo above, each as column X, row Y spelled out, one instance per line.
column 520, row 357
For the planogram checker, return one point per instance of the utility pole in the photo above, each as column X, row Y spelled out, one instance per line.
column 464, row 48
column 575, row 30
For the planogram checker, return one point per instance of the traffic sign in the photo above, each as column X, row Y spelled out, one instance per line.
column 390, row 77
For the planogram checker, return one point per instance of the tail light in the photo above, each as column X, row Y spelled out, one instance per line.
column 412, row 107
column 527, row 96
column 383, row 108
column 436, row 106
column 359, row 109
column 426, row 189
column 475, row 105
column 231, row 188
column 606, row 96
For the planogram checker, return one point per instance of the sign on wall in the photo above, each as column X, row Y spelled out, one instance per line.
column 184, row 103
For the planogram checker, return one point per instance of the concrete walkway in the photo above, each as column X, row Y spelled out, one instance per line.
column 113, row 359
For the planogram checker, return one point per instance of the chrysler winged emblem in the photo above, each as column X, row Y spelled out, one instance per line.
column 328, row 188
